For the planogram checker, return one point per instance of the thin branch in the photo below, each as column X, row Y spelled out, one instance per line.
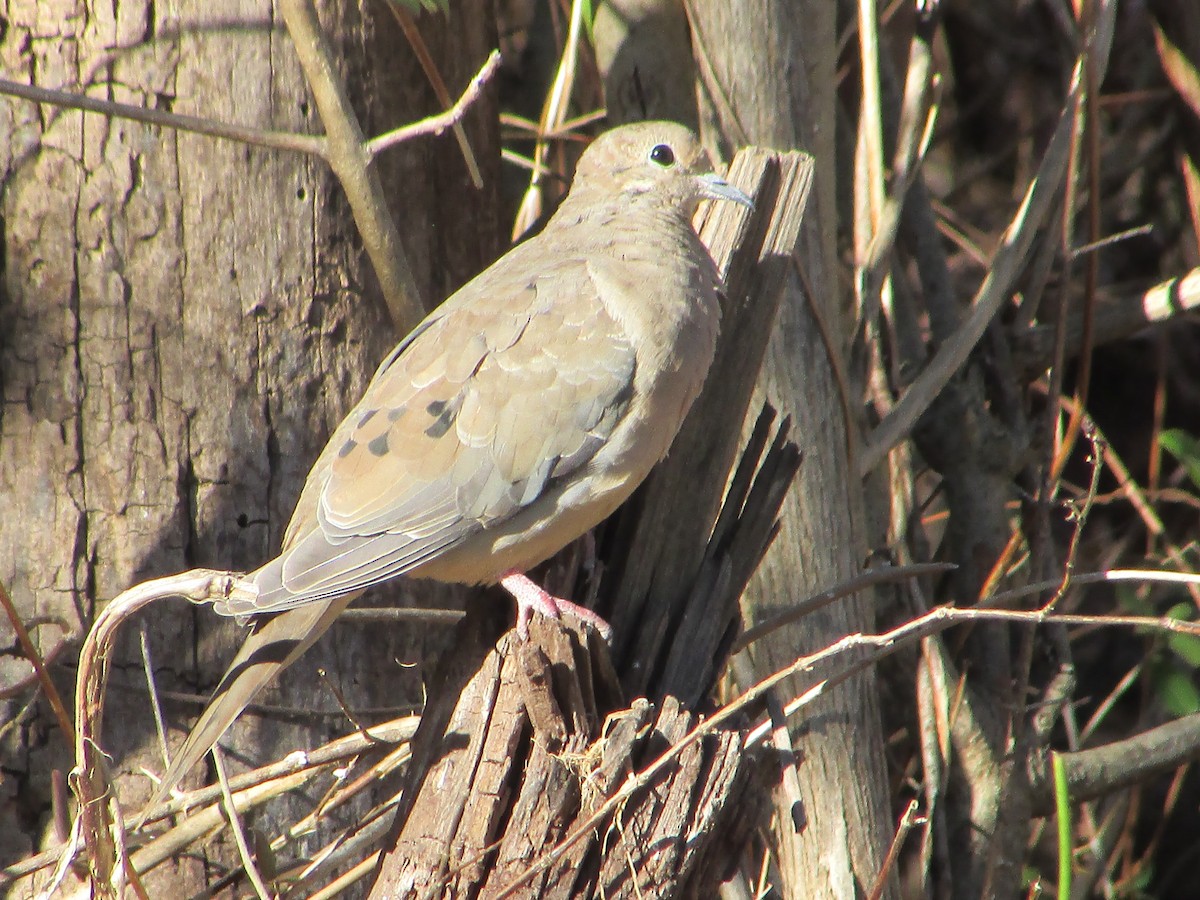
column 397, row 731
column 239, row 832
column 355, row 873
column 1080, row 509
column 400, row 614
column 160, row 729
column 35, row 660
column 1151, row 576
column 933, row 622
column 867, row 579
column 200, row 823
column 245, row 134
column 1098, row 771
column 908, row 820
column 435, row 125
column 1117, row 316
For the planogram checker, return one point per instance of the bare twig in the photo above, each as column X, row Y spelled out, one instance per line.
column 1005, row 265
column 435, row 125
column 395, row 614
column 152, row 688
column 206, row 820
column 1150, row 576
column 397, row 730
column 934, row 622
column 239, row 833
column 1097, row 771
column 368, row 832
column 869, row 578
column 1080, row 510
column 909, row 819
column 355, row 873
column 35, row 660
column 312, row 144
column 1117, row 316
column 244, row 134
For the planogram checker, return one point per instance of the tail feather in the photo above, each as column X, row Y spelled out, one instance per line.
column 273, row 644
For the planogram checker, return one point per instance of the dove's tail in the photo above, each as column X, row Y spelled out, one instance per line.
column 273, row 644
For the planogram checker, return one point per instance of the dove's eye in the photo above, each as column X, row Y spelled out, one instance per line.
column 663, row 155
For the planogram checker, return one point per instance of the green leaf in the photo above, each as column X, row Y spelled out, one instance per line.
column 1186, row 647
column 588, row 13
column 1127, row 597
column 1178, row 693
column 1185, row 448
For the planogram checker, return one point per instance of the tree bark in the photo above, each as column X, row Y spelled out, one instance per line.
column 184, row 320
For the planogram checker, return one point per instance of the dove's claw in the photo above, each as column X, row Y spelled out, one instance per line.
column 532, row 598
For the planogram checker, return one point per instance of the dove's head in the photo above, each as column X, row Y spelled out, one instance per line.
column 659, row 161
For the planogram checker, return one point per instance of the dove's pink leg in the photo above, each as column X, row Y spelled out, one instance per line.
column 530, row 597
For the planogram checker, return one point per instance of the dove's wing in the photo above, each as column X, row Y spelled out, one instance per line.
column 484, row 407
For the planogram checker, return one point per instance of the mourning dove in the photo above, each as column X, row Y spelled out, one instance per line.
column 515, row 417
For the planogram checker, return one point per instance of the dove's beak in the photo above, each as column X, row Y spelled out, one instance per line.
column 715, row 187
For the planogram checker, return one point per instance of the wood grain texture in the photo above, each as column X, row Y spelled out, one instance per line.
column 517, row 753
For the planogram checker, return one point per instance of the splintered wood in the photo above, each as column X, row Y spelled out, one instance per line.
column 524, row 757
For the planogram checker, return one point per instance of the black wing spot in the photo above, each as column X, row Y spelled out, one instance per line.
column 444, row 413
column 379, row 445
column 441, row 424
column 367, row 417
column 394, row 415
column 347, row 448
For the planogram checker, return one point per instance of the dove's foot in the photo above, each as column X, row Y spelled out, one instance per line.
column 532, row 598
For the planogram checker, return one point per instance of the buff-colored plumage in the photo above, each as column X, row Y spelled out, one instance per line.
column 514, row 418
